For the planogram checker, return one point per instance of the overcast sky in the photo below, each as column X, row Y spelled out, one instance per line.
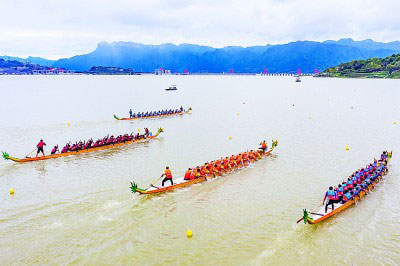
column 54, row 28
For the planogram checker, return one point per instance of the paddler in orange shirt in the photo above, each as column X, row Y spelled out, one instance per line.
column 217, row 169
column 245, row 157
column 168, row 176
column 211, row 168
column 203, row 170
column 197, row 173
column 239, row 161
column 226, row 164
column 188, row 174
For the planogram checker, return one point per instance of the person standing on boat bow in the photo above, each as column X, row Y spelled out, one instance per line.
column 39, row 147
column 130, row 113
column 168, row 176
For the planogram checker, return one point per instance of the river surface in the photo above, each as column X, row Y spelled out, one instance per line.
column 79, row 209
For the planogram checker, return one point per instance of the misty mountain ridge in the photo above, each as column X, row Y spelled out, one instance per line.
column 306, row 55
column 31, row 60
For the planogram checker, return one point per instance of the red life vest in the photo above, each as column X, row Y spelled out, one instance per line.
column 168, row 173
column 332, row 195
column 264, row 145
column 187, row 175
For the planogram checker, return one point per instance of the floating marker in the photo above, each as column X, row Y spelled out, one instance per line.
column 230, row 137
column 69, row 123
column 12, row 191
column 347, row 148
column 395, row 123
column 189, row 233
column 238, row 113
column 138, row 130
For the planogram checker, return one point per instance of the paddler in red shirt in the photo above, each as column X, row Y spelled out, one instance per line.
column 40, row 147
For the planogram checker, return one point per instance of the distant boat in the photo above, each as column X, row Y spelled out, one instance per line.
column 171, row 88
column 298, row 79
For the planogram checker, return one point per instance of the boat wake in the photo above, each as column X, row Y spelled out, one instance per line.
column 111, row 204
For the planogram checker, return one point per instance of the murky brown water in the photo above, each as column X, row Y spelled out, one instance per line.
column 80, row 209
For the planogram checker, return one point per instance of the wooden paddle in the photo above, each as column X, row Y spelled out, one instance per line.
column 31, row 152
column 151, row 184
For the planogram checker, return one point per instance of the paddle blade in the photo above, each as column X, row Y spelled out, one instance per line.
column 116, row 117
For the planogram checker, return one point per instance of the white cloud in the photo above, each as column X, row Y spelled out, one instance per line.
column 64, row 28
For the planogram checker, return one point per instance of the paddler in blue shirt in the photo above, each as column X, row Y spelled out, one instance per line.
column 347, row 196
column 130, row 113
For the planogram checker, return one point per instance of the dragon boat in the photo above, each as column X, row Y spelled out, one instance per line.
column 6, row 156
column 318, row 214
column 180, row 182
column 155, row 116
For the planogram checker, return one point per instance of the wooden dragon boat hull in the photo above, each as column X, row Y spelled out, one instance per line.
column 105, row 147
column 179, row 183
column 154, row 116
column 318, row 215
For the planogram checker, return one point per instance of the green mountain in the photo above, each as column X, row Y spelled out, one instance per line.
column 388, row 67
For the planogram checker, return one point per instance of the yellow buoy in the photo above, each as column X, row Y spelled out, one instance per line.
column 230, row 137
column 238, row 113
column 138, row 129
column 69, row 123
column 189, row 233
column 12, row 191
column 395, row 123
column 347, row 148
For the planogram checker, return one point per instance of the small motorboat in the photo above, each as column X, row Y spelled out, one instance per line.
column 171, row 88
